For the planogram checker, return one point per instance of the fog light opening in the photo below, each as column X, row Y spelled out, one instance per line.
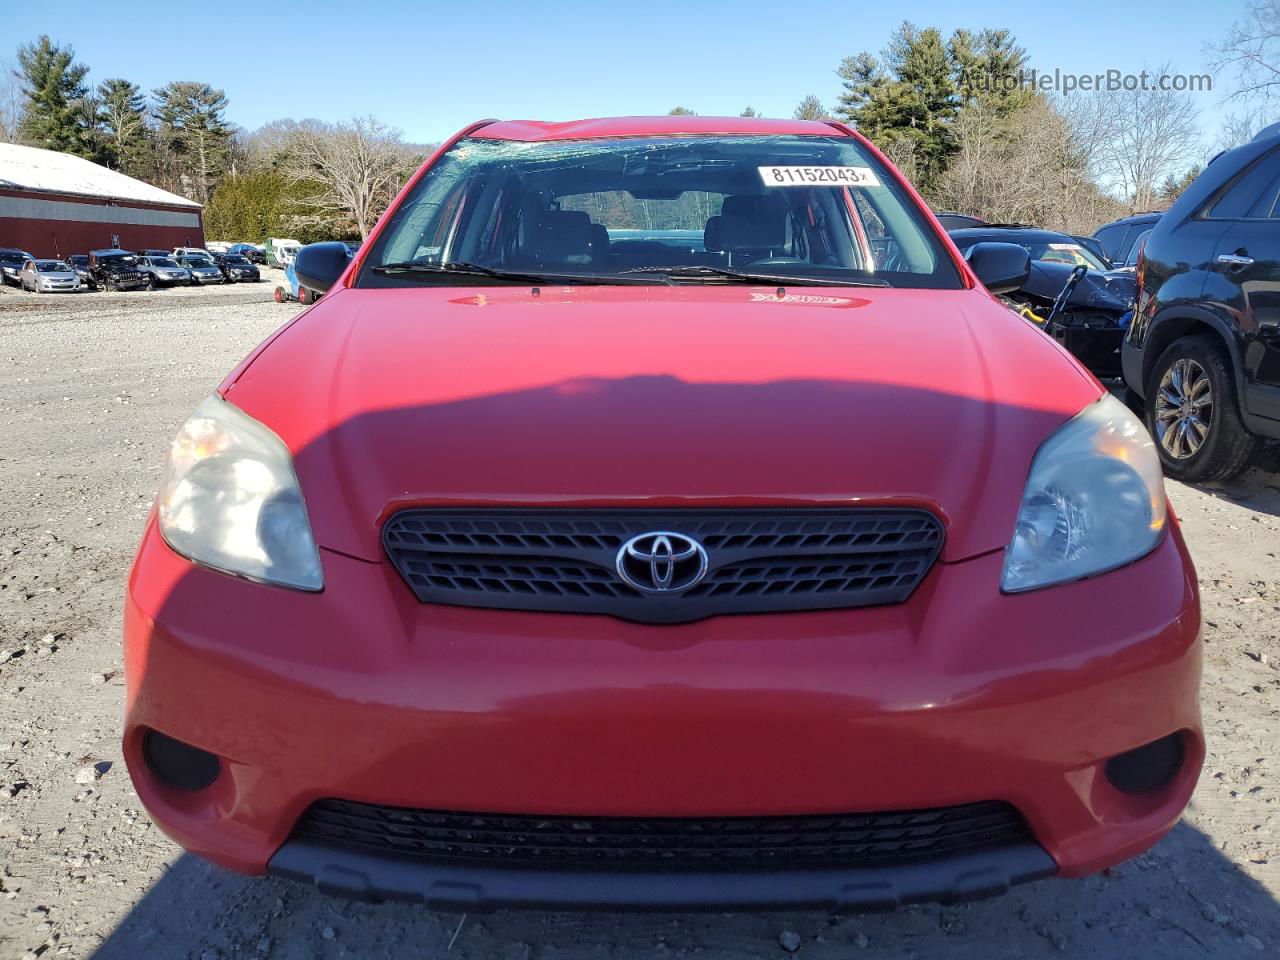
column 1147, row 768
column 177, row 764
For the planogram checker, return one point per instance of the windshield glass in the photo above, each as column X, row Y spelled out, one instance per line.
column 51, row 266
column 116, row 259
column 12, row 258
column 800, row 208
column 1054, row 251
column 238, row 260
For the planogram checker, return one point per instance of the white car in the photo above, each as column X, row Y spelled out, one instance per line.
column 48, row 276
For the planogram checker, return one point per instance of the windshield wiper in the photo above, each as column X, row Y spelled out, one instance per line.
column 454, row 268
column 742, row 276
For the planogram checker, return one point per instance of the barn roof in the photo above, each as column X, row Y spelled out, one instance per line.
column 47, row 171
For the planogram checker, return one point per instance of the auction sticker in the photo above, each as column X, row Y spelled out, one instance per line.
column 818, row 176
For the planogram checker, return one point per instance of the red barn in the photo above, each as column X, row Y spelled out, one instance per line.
column 55, row 204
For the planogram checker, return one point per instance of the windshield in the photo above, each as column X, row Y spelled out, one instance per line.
column 236, row 259
column 162, row 262
column 115, row 259
column 51, row 266
column 1065, row 250
column 14, row 259
column 794, row 208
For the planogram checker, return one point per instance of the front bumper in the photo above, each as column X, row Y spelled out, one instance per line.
column 960, row 695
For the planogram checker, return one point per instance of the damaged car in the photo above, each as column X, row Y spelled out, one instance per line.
column 1074, row 295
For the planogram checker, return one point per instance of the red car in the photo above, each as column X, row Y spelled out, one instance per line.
column 659, row 512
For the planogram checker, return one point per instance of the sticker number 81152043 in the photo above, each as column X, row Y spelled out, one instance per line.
column 818, row 176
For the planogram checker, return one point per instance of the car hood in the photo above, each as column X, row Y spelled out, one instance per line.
column 661, row 396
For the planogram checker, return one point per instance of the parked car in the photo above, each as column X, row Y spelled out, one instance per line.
column 215, row 247
column 1091, row 322
column 164, row 271
column 280, row 252
column 190, row 252
column 1094, row 246
column 115, row 270
column 236, row 268
column 1119, row 237
column 79, row 262
column 11, row 261
column 1204, row 347
column 1130, row 263
column 253, row 254
column 768, row 573
column 48, row 276
column 202, row 269
column 958, row 221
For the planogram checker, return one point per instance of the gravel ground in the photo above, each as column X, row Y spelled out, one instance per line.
column 92, row 388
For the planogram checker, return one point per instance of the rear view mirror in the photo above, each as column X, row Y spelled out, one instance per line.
column 319, row 265
column 1002, row 267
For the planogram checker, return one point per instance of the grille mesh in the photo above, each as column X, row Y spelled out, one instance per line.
column 759, row 560
column 737, row 843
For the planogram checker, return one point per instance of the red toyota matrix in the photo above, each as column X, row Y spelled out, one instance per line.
column 659, row 512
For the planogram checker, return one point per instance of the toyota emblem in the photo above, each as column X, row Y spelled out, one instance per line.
column 662, row 562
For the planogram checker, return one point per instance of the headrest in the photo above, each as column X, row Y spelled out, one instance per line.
column 559, row 237
column 711, row 236
column 752, row 222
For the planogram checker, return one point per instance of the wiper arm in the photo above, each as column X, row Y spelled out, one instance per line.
column 742, row 276
column 456, row 268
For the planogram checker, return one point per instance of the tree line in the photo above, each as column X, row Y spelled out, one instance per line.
column 308, row 179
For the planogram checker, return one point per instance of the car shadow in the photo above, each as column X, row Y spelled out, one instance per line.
column 1181, row 899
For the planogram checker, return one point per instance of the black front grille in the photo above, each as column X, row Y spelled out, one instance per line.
column 758, row 560
column 706, row 843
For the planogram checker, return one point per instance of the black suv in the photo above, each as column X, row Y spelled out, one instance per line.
column 1204, row 346
column 1119, row 237
column 115, row 270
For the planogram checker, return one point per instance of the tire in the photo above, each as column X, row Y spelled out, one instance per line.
column 305, row 296
column 150, row 283
column 279, row 294
column 1197, row 371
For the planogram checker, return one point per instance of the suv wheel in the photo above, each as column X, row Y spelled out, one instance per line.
column 1194, row 415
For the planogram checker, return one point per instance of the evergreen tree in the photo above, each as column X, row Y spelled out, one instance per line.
column 749, row 112
column 811, row 108
column 122, row 120
column 680, row 112
column 192, row 127
column 988, row 68
column 54, row 92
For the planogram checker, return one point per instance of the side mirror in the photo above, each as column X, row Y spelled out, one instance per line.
column 1002, row 267
column 319, row 265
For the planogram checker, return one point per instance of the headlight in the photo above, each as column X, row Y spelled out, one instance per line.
column 230, row 499
column 1094, row 501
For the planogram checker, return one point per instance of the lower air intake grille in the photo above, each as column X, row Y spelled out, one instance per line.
column 757, row 561
column 731, row 843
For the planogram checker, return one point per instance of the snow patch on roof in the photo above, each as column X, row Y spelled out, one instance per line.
column 30, row 168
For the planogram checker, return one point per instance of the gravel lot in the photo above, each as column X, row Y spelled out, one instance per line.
column 91, row 390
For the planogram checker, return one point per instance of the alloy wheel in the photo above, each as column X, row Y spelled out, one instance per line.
column 1184, row 408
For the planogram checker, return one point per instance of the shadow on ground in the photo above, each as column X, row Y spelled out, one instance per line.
column 1183, row 899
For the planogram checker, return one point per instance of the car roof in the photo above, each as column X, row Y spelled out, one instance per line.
column 607, row 127
column 1135, row 218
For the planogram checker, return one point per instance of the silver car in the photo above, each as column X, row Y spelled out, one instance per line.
column 163, row 272
column 48, row 276
column 202, row 269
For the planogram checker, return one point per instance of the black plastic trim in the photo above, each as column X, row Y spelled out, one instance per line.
column 565, row 558
column 362, row 876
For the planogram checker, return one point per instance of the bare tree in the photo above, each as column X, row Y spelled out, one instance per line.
column 1252, row 49
column 355, row 168
column 1154, row 136
column 10, row 103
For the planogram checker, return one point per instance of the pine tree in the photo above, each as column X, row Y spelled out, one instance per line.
column 122, row 120
column 811, row 108
column 194, row 130
column 53, row 114
column 749, row 112
column 988, row 68
column 680, row 112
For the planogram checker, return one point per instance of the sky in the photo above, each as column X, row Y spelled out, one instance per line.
column 429, row 68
